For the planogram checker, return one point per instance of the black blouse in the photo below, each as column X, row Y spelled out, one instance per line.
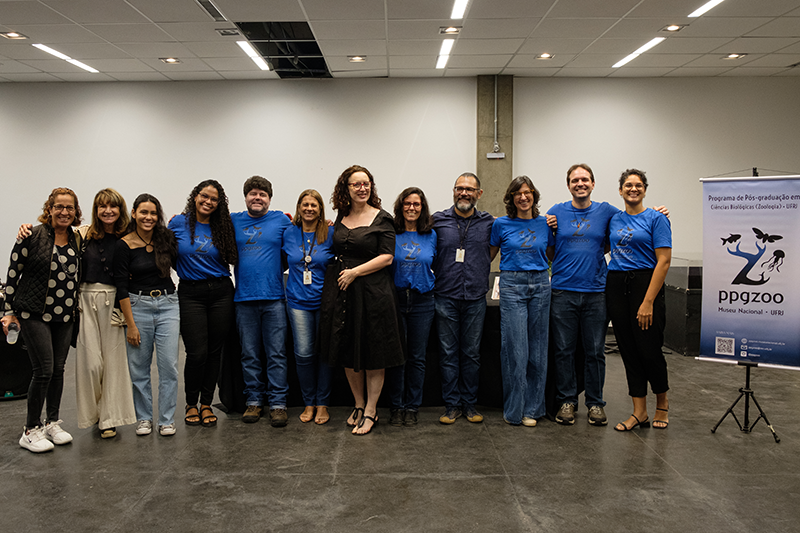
column 136, row 271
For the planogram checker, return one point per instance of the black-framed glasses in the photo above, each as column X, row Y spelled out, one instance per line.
column 470, row 190
column 67, row 208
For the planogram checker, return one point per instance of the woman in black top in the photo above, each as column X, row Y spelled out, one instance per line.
column 41, row 294
column 142, row 264
column 360, row 328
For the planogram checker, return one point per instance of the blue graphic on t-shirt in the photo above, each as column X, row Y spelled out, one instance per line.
column 580, row 226
column 527, row 236
column 413, row 249
column 625, row 235
column 252, row 232
column 203, row 243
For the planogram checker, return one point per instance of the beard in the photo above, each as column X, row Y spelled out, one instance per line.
column 465, row 206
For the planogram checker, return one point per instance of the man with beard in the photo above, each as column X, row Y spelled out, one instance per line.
column 260, row 301
column 461, row 267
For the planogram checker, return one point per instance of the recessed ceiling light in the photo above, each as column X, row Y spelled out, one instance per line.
column 545, row 56
column 253, row 54
column 459, row 7
column 13, row 35
column 673, row 28
column 226, row 32
column 170, row 60
column 449, row 30
column 734, row 56
column 66, row 58
column 708, row 6
column 357, row 59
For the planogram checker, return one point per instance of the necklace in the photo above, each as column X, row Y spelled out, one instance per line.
column 70, row 270
column 148, row 246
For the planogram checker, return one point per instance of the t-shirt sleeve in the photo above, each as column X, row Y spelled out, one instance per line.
column 662, row 232
column 122, row 276
column 495, row 237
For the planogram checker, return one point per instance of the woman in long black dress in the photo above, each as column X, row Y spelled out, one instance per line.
column 359, row 321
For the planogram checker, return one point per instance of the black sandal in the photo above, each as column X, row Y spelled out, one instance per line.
column 665, row 422
column 355, row 416
column 192, row 419
column 361, row 424
column 210, row 419
column 640, row 423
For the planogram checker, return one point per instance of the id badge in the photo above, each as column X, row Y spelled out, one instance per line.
column 459, row 255
column 306, row 277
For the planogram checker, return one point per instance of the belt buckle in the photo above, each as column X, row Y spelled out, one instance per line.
column 155, row 293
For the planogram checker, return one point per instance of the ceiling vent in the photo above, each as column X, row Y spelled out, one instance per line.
column 289, row 47
column 212, row 10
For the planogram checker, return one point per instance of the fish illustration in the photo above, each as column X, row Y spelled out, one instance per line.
column 732, row 239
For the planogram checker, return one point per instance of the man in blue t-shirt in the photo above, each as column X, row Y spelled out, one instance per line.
column 461, row 267
column 578, row 302
column 260, row 301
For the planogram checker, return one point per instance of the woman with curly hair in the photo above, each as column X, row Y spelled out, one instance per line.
column 360, row 328
column 142, row 263
column 206, row 248
column 41, row 300
column 523, row 240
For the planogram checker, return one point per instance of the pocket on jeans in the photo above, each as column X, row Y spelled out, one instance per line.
column 134, row 298
column 172, row 298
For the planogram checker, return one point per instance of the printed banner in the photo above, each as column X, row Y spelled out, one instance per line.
column 751, row 267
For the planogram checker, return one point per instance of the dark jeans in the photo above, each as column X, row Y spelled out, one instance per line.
column 640, row 349
column 48, row 346
column 404, row 382
column 206, row 316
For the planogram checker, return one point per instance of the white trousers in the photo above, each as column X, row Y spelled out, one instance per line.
column 103, row 383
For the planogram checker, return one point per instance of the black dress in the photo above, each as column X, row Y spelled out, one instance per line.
column 359, row 327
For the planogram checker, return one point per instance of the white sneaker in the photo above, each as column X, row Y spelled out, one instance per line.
column 144, row 427
column 168, row 430
column 54, row 432
column 35, row 441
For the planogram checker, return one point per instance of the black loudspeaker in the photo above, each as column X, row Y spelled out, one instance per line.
column 15, row 370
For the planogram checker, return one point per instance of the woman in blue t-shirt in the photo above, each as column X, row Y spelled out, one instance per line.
column 307, row 245
column 206, row 248
column 415, row 248
column 641, row 250
column 523, row 239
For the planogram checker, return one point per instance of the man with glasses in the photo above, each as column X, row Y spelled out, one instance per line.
column 260, row 302
column 461, row 267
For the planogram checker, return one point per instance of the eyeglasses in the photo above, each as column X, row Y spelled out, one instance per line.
column 359, row 185
column 520, row 194
column 415, row 205
column 637, row 186
column 470, row 190
column 67, row 208
column 206, row 198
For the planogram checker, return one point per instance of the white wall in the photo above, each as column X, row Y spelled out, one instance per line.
column 676, row 130
column 164, row 138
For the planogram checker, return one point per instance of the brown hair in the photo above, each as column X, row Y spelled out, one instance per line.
column 115, row 199
column 584, row 166
column 322, row 226
column 425, row 221
column 632, row 172
column 44, row 218
column 340, row 199
column 515, row 185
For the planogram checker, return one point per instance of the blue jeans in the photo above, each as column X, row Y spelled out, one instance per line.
column 460, row 326
column 262, row 323
column 313, row 374
column 524, row 321
column 585, row 312
column 158, row 321
column 405, row 382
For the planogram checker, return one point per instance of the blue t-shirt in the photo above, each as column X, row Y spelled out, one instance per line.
column 468, row 280
column 634, row 239
column 413, row 259
column 523, row 243
column 200, row 260
column 259, row 275
column 580, row 264
column 297, row 244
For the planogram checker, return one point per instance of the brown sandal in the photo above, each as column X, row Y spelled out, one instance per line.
column 192, row 419
column 209, row 419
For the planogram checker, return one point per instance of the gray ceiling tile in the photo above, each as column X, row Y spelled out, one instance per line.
column 554, row 45
column 418, row 9
column 692, row 45
column 487, row 46
column 530, row 62
column 492, row 28
column 129, row 33
column 18, row 13
column 58, row 33
column 352, row 47
column 161, row 11
column 339, row 63
column 209, row 49
column 722, row 27
column 591, row 8
column 507, row 9
column 157, row 50
column 261, row 10
column 344, row 10
column 685, row 72
column 346, row 29
column 573, row 28
column 479, row 61
column 95, row 11
column 755, row 45
column 641, row 72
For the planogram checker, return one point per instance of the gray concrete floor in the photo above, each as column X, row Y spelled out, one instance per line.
column 460, row 478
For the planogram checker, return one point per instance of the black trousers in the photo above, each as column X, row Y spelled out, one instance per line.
column 640, row 349
column 206, row 316
column 48, row 347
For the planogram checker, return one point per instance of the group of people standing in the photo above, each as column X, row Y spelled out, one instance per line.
column 361, row 294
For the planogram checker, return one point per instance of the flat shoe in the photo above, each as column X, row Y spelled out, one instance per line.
column 361, row 424
column 322, row 416
column 108, row 433
column 192, row 419
column 209, row 419
column 641, row 423
column 665, row 422
column 355, row 416
column 308, row 411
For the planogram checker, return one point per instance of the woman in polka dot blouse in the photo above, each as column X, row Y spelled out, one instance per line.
column 41, row 293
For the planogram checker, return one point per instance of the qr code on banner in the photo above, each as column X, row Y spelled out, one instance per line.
column 725, row 346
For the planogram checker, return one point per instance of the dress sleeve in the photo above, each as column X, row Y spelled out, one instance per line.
column 122, row 261
column 19, row 256
column 386, row 238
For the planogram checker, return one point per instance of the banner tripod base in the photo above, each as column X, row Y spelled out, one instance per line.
column 747, row 393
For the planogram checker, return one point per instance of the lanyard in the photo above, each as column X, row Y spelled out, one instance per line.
column 462, row 236
column 306, row 256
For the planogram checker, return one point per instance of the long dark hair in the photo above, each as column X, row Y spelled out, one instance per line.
column 115, row 199
column 322, row 226
column 341, row 191
column 515, row 185
column 164, row 244
column 222, row 234
column 425, row 220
